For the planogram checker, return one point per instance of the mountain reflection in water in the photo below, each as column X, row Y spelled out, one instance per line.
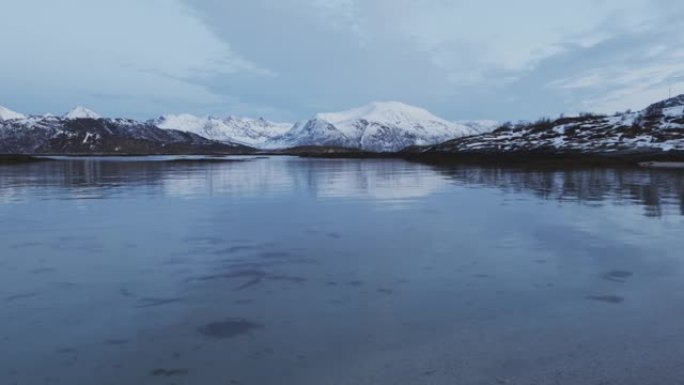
column 380, row 180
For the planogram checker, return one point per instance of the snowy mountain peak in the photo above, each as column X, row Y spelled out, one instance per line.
column 7, row 114
column 82, row 113
column 247, row 131
column 391, row 112
column 378, row 126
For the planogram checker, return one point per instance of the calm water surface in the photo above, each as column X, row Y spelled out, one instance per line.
column 309, row 272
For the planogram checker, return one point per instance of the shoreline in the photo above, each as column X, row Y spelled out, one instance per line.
column 670, row 160
column 653, row 160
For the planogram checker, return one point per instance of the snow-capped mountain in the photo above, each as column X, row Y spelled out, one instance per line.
column 7, row 114
column 658, row 128
column 379, row 126
column 246, row 131
column 80, row 132
column 81, row 113
column 480, row 126
column 387, row 112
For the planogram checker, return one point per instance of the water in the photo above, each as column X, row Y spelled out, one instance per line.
column 302, row 271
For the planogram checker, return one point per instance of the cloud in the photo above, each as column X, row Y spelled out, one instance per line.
column 289, row 59
column 626, row 71
column 62, row 53
column 342, row 15
column 462, row 59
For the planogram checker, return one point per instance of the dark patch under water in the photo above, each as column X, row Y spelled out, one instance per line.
column 168, row 372
column 250, row 283
column 275, row 254
column 248, row 273
column 26, row 245
column 236, row 249
column 618, row 275
column 152, row 302
column 482, row 276
column 287, row 278
column 606, row 298
column 207, row 240
column 17, row 297
column 254, row 276
column 237, row 264
column 229, row 328
column 176, row 261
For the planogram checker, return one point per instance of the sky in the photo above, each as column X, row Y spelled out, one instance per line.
column 286, row 60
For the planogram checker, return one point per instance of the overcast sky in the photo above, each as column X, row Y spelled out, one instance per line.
column 287, row 59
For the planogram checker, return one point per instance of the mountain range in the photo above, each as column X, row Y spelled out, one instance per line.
column 257, row 133
column 384, row 127
column 379, row 127
column 82, row 131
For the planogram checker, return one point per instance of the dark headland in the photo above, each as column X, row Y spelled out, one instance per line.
column 6, row 159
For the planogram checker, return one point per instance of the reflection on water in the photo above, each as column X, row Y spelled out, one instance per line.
column 311, row 271
column 653, row 189
column 384, row 180
column 75, row 179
